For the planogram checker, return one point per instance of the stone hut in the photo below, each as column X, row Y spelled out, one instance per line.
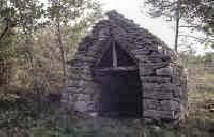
column 122, row 70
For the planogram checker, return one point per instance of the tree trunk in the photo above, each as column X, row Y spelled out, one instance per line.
column 4, row 32
column 176, row 33
column 177, row 21
column 62, row 51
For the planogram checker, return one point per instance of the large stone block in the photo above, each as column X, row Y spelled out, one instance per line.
column 74, row 83
column 81, row 97
column 77, row 83
column 73, row 90
column 92, row 88
column 154, row 114
column 155, row 65
column 81, row 106
column 81, row 76
column 150, row 104
column 154, row 59
column 168, row 71
column 168, row 105
column 155, row 79
column 140, row 54
column 146, row 71
column 158, row 87
column 151, row 114
column 91, row 106
column 176, row 79
column 158, row 95
column 177, row 92
column 159, row 91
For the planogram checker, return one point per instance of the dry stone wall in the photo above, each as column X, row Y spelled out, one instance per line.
column 164, row 87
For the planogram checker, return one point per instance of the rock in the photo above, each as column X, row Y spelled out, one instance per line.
column 155, row 79
column 166, row 105
column 81, row 106
column 165, row 71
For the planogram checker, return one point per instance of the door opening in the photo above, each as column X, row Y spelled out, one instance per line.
column 121, row 90
column 121, row 94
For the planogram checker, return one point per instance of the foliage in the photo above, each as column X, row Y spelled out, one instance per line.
column 209, row 57
column 67, row 12
column 190, row 10
column 38, row 118
column 198, row 14
column 32, row 36
column 19, row 17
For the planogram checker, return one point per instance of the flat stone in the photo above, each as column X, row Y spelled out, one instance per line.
column 154, row 114
column 81, row 106
column 75, row 89
column 154, row 59
column 156, row 65
column 146, row 71
column 150, row 104
column 155, row 79
column 159, row 87
column 165, row 71
column 91, row 106
column 158, row 95
column 168, row 105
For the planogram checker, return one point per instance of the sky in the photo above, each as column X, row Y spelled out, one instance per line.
column 135, row 10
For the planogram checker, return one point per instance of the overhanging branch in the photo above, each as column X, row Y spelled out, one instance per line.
column 199, row 39
column 4, row 32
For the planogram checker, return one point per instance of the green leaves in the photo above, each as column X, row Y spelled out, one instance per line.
column 29, row 39
column 21, row 14
column 68, row 11
column 201, row 11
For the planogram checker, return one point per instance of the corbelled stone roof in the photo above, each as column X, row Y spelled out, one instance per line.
column 131, row 37
column 163, row 83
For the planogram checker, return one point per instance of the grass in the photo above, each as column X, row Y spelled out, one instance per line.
column 200, row 120
column 30, row 118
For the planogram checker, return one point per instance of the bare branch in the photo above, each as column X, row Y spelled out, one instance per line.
column 4, row 32
column 199, row 39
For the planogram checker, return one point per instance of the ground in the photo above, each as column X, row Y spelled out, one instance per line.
column 31, row 117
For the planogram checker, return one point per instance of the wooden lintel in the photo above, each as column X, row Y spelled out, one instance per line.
column 125, row 68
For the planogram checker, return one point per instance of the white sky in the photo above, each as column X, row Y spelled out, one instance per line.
column 133, row 9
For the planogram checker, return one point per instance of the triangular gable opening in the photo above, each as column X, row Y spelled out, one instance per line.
column 115, row 57
column 123, row 59
column 107, row 59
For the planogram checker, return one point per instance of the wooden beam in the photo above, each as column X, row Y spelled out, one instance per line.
column 114, row 55
column 125, row 68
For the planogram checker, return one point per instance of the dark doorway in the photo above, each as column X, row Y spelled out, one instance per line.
column 121, row 94
column 118, row 76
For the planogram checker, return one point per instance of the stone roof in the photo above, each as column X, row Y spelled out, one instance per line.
column 131, row 37
column 163, row 84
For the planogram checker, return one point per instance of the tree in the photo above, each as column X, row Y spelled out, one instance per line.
column 19, row 14
column 39, row 39
column 68, row 13
column 196, row 13
column 18, row 19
